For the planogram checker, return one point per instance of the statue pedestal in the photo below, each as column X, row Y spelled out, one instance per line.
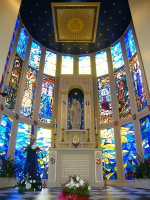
column 66, row 162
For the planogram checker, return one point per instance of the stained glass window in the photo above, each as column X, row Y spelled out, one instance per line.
column 117, row 58
column 9, row 53
column 22, row 43
column 145, row 132
column 29, row 93
column 67, row 65
column 101, row 63
column 122, row 93
column 50, row 63
column 5, row 133
column 46, row 105
column 130, row 43
column 84, row 65
column 22, row 141
column 128, row 150
column 35, row 55
column 107, row 143
column 104, row 99
column 138, row 84
column 14, row 83
column 44, row 142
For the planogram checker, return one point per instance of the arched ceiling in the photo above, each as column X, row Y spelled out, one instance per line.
column 114, row 18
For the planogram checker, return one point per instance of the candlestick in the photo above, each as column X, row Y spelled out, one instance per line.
column 62, row 135
column 88, row 140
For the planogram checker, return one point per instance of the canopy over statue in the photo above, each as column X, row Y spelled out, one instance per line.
column 75, row 114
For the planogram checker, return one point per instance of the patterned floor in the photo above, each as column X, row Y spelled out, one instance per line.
column 113, row 193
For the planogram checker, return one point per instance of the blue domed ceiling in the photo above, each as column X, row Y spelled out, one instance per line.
column 114, row 18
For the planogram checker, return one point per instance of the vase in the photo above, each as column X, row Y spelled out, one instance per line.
column 69, row 196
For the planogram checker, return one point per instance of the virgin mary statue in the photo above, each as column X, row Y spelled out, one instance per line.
column 75, row 114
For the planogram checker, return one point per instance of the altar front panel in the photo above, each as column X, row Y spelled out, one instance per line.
column 70, row 162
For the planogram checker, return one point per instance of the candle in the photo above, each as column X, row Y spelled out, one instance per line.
column 96, row 125
column 88, row 121
column 63, row 122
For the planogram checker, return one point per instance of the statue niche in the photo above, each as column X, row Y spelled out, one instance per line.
column 75, row 109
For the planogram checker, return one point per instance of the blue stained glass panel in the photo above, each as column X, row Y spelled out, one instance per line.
column 104, row 99
column 128, row 150
column 145, row 133
column 14, row 83
column 117, row 58
column 35, row 55
column 22, row 43
column 101, row 63
column 5, row 134
column 138, row 84
column 29, row 93
column 9, row 53
column 122, row 93
column 84, row 65
column 44, row 142
column 47, row 94
column 50, row 63
column 130, row 43
column 107, row 143
column 22, row 141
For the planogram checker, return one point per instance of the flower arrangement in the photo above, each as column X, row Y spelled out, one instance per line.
column 76, row 144
column 75, row 185
column 29, row 184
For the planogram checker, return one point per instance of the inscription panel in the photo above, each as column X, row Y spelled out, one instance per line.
column 75, row 165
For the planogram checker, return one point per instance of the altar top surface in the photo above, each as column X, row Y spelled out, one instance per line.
column 75, row 149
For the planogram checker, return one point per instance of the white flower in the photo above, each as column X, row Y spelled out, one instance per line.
column 81, row 182
column 22, row 181
column 28, row 186
column 77, row 178
column 89, row 188
column 34, row 181
column 33, row 146
column 77, row 185
column 67, row 185
column 30, row 181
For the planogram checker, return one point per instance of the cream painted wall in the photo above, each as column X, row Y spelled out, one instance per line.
column 8, row 13
column 140, row 11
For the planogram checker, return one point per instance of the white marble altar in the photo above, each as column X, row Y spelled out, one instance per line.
column 65, row 162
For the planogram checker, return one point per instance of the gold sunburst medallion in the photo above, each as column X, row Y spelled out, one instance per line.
column 75, row 25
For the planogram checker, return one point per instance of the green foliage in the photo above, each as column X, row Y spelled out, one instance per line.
column 8, row 168
column 143, row 168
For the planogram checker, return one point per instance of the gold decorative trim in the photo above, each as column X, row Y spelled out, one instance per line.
column 75, row 22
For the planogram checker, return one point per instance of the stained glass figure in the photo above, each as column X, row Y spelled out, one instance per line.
column 138, row 84
column 128, row 150
column 22, row 141
column 122, row 93
column 104, row 99
column 84, row 65
column 117, row 58
column 29, row 93
column 5, row 134
column 9, row 53
column 47, row 94
column 67, row 65
column 14, row 83
column 145, row 133
column 130, row 43
column 107, row 143
column 44, row 142
column 35, row 55
column 50, row 63
column 101, row 63
column 22, row 43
